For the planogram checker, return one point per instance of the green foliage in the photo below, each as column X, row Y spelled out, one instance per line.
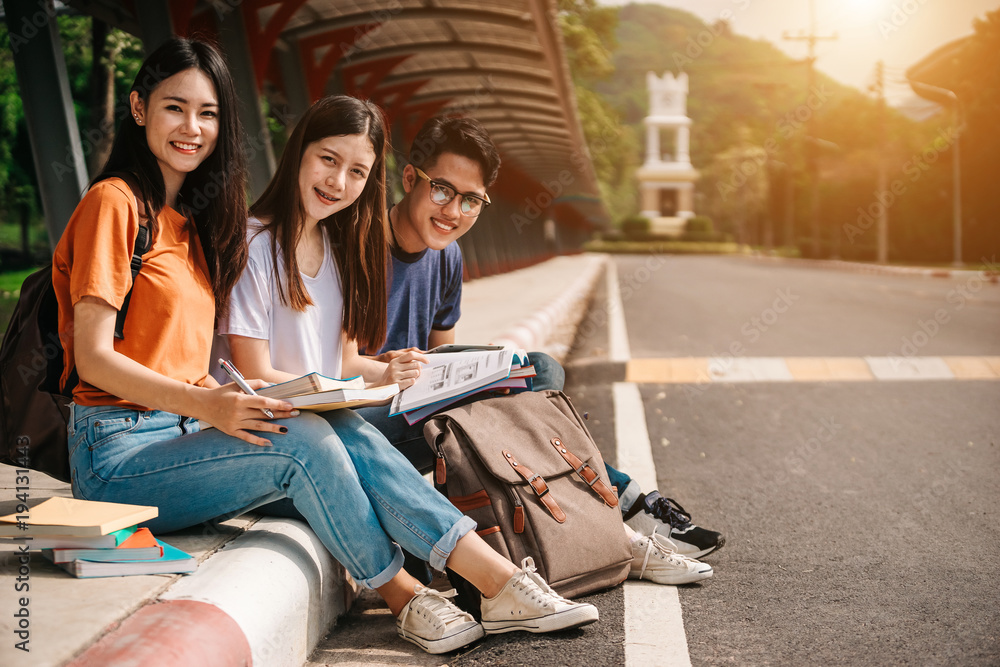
column 588, row 35
column 698, row 224
column 751, row 113
column 10, row 282
column 18, row 184
column 664, row 247
column 635, row 225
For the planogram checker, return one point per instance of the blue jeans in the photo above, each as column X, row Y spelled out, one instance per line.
column 409, row 440
column 358, row 494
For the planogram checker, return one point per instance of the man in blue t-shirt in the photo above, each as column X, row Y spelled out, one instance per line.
column 452, row 163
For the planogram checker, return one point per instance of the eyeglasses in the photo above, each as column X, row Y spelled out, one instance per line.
column 442, row 194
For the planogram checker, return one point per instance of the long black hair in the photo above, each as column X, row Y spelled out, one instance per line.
column 359, row 234
column 214, row 194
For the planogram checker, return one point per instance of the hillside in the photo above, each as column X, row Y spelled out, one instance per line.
column 749, row 99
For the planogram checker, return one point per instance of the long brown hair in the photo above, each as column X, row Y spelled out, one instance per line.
column 215, row 193
column 359, row 234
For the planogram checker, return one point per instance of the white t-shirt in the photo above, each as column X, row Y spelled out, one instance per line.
column 300, row 342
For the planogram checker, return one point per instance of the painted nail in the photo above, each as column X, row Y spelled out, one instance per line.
column 283, row 429
column 295, row 413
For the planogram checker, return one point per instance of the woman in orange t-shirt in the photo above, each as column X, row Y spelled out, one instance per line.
column 134, row 432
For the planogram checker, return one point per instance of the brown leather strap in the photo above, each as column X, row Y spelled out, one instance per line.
column 441, row 470
column 537, row 485
column 519, row 519
column 586, row 473
column 472, row 501
column 488, row 531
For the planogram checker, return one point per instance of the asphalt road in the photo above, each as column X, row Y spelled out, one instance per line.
column 861, row 518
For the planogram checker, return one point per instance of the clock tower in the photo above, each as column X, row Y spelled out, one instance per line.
column 666, row 178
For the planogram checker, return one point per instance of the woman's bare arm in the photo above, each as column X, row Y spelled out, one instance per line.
column 97, row 363
column 253, row 357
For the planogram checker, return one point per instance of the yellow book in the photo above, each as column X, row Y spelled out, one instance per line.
column 70, row 516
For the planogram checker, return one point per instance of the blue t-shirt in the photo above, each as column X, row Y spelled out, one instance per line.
column 425, row 293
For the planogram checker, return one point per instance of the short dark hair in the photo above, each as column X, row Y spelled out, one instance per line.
column 463, row 136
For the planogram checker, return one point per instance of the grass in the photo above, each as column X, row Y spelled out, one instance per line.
column 665, row 247
column 10, row 283
column 10, row 289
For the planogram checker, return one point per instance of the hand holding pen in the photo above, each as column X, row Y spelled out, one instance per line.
column 241, row 382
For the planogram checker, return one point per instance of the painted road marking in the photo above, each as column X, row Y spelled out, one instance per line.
column 748, row 369
column 654, row 625
column 697, row 370
column 635, row 455
column 617, row 332
column 910, row 368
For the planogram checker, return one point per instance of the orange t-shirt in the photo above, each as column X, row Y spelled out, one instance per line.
column 171, row 314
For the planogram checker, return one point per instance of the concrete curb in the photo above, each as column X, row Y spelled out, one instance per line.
column 552, row 328
column 883, row 270
column 266, row 598
column 270, row 595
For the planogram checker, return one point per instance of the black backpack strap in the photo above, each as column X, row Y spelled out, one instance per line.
column 142, row 244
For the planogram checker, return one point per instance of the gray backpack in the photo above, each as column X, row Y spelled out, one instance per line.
column 526, row 469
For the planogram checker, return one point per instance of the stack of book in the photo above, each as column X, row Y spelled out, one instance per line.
column 320, row 393
column 451, row 376
column 94, row 539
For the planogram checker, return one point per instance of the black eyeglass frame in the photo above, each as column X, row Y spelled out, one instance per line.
column 483, row 200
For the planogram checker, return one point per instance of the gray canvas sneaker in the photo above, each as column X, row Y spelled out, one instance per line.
column 527, row 603
column 431, row 621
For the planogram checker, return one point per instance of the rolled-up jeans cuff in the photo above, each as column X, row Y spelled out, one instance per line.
column 442, row 550
column 628, row 497
column 386, row 575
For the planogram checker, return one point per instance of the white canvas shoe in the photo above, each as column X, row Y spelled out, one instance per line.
column 431, row 621
column 527, row 603
column 656, row 560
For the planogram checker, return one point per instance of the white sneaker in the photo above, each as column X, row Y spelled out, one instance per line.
column 431, row 621
column 655, row 559
column 527, row 603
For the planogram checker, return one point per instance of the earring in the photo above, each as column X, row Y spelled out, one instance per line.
column 137, row 121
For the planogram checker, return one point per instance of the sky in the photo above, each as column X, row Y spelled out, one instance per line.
column 899, row 32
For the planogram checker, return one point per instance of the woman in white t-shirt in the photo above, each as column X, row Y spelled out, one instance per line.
column 314, row 288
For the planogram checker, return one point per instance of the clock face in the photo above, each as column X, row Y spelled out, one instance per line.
column 666, row 101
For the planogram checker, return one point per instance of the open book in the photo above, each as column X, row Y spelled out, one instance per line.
column 456, row 374
column 310, row 384
column 322, row 401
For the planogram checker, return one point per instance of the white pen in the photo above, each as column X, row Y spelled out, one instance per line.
column 241, row 382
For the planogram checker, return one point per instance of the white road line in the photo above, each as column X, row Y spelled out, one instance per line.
column 909, row 368
column 654, row 626
column 617, row 333
column 748, row 369
column 635, row 455
column 654, row 629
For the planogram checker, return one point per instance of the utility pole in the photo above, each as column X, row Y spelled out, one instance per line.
column 883, row 213
column 812, row 148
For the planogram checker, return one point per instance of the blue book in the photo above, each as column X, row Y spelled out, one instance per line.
column 173, row 561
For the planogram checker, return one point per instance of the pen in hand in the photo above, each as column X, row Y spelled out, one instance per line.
column 241, row 382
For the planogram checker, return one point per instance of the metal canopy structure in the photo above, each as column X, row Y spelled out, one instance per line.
column 500, row 62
